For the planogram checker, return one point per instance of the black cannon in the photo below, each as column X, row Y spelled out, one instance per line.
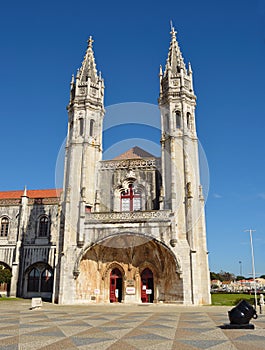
column 241, row 314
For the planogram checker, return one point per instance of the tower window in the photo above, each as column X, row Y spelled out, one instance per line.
column 43, row 226
column 71, row 125
column 81, row 126
column 4, row 226
column 131, row 199
column 91, row 129
column 178, row 119
column 188, row 120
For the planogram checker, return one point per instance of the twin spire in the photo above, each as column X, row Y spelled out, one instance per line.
column 174, row 63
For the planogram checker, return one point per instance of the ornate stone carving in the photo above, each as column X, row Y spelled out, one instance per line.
column 129, row 216
column 130, row 163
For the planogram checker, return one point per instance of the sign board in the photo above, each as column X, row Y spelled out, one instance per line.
column 144, row 288
column 148, row 291
column 116, row 293
column 130, row 290
column 130, row 283
column 36, row 302
column 96, row 291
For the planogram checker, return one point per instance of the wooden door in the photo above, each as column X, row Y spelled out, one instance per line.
column 147, row 286
column 115, row 286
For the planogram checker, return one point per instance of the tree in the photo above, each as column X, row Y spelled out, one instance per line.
column 239, row 278
column 5, row 274
column 214, row 276
column 222, row 276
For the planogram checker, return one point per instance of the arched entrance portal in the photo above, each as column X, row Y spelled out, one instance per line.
column 147, row 286
column 115, row 286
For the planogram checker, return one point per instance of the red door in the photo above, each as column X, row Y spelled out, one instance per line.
column 147, row 286
column 115, row 286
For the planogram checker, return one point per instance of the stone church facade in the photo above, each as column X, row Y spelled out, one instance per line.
column 130, row 229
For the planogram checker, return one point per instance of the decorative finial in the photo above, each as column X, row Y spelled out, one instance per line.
column 172, row 28
column 90, row 42
column 190, row 70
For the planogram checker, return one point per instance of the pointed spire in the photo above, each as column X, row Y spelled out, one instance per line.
column 88, row 69
column 25, row 192
column 175, row 60
column 190, row 69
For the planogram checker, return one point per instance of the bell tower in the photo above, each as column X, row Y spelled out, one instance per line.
column 83, row 152
column 182, row 192
column 84, row 143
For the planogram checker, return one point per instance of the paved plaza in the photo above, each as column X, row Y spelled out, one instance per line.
column 116, row 326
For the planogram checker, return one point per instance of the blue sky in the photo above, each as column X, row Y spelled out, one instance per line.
column 43, row 43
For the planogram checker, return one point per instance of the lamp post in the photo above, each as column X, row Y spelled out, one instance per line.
column 253, row 266
column 240, row 268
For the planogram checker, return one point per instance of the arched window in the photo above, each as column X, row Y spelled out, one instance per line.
column 178, row 119
column 46, row 281
column 188, row 120
column 91, row 128
column 43, row 226
column 4, row 226
column 33, row 281
column 40, row 279
column 81, row 126
column 131, row 199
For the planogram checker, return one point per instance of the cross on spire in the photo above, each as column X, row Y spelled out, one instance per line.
column 90, row 42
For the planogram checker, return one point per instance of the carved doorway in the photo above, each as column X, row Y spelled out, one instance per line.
column 115, row 286
column 147, row 286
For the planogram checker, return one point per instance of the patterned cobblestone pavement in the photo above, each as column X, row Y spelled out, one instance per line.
column 129, row 327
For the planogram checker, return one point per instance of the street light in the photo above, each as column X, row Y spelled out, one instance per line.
column 253, row 266
column 240, row 268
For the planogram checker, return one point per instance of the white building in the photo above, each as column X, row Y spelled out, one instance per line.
column 126, row 230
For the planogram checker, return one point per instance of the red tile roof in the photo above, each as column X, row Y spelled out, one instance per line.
column 50, row 193
column 135, row 152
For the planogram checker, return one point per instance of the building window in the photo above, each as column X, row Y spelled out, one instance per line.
column 178, row 119
column 33, row 281
column 91, row 129
column 46, row 281
column 81, row 126
column 71, row 126
column 4, row 226
column 40, row 279
column 131, row 199
column 188, row 120
column 43, row 226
